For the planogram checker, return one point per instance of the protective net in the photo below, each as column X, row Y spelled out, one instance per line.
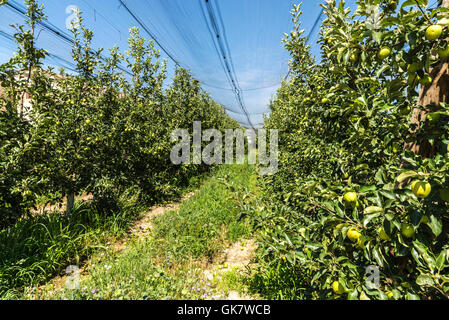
column 232, row 47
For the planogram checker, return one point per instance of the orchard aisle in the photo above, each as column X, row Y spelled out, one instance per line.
column 196, row 249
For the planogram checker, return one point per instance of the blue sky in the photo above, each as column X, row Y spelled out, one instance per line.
column 253, row 28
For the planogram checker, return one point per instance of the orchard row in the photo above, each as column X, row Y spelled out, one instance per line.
column 96, row 131
column 363, row 176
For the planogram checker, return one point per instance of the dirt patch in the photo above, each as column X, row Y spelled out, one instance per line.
column 236, row 257
column 144, row 225
column 234, row 295
column 240, row 253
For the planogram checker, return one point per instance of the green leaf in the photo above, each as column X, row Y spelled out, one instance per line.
column 340, row 209
column 353, row 295
column 381, row 70
column 377, row 36
column 440, row 262
column 408, row 3
column 373, row 209
column 423, row 251
column 380, row 176
column 411, row 38
column 435, row 225
column 415, row 217
column 417, row 258
column 361, row 100
column 377, row 254
column 365, row 189
column 406, row 175
column 318, row 275
column 383, row 295
column 363, row 296
column 425, row 280
column 370, row 217
column 330, row 206
column 412, row 296
column 388, row 194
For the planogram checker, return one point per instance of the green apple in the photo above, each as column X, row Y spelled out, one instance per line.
column 434, row 32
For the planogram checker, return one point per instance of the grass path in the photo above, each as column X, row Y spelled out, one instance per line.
column 199, row 248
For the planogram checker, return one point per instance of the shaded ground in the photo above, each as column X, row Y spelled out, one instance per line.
column 61, row 206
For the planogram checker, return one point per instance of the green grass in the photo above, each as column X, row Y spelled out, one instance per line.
column 211, row 217
column 167, row 264
column 37, row 248
column 236, row 280
column 278, row 282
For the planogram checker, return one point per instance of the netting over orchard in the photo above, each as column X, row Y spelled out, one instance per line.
column 247, row 54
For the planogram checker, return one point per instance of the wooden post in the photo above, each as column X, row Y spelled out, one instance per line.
column 430, row 97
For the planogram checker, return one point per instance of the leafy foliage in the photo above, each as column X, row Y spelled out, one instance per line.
column 344, row 123
column 97, row 130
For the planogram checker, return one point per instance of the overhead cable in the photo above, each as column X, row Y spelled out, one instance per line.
column 224, row 56
column 164, row 49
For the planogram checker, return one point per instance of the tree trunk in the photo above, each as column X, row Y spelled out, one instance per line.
column 430, row 97
column 70, row 203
